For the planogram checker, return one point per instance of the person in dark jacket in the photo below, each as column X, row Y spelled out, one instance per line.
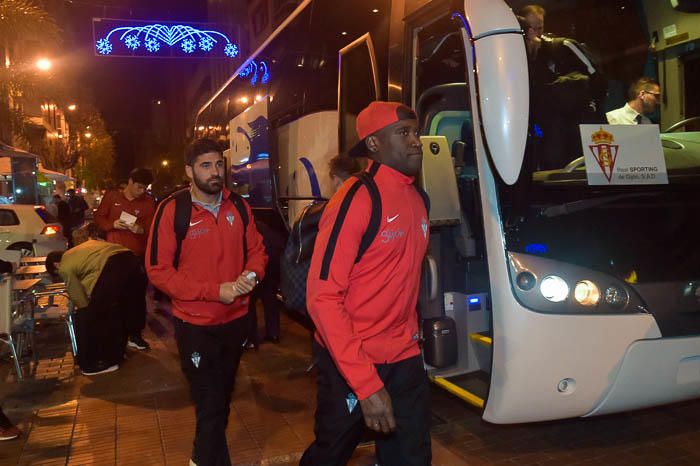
column 209, row 289
column 368, row 358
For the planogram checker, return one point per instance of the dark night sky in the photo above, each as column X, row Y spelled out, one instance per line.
column 124, row 88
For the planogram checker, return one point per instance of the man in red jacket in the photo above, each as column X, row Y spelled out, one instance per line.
column 209, row 288
column 125, row 216
column 366, row 345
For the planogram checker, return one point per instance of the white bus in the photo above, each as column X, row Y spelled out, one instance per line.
column 563, row 276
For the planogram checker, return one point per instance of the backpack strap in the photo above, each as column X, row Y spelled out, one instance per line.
column 181, row 223
column 366, row 179
column 426, row 199
column 375, row 219
column 243, row 212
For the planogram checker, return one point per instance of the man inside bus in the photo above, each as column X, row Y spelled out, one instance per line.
column 566, row 89
column 644, row 96
column 366, row 345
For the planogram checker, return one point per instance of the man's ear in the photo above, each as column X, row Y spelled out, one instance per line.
column 372, row 143
column 188, row 171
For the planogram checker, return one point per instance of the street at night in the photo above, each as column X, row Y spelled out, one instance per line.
column 362, row 232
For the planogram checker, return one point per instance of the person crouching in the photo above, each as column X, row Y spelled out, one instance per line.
column 100, row 278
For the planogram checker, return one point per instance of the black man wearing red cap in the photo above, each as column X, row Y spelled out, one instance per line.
column 366, row 344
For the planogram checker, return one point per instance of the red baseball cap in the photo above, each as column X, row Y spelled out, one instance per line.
column 377, row 116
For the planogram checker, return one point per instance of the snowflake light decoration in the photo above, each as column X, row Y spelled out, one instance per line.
column 206, row 43
column 231, row 50
column 154, row 36
column 104, row 47
column 188, row 46
column 132, row 42
column 152, row 45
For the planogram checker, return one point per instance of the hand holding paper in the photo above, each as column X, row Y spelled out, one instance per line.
column 127, row 218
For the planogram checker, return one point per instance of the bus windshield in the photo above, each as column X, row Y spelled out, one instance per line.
column 611, row 177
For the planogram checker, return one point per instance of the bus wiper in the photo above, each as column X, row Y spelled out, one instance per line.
column 586, row 204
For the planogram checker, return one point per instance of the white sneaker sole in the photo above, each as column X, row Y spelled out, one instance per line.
column 9, row 438
column 103, row 371
column 131, row 344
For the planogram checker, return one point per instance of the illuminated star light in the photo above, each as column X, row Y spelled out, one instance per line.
column 132, row 42
column 152, row 45
column 104, row 47
column 188, row 46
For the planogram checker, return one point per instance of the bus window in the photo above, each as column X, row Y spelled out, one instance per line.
column 612, row 195
column 358, row 86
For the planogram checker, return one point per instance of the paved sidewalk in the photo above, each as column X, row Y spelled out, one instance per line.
column 142, row 415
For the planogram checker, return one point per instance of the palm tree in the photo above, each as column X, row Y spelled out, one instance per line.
column 20, row 20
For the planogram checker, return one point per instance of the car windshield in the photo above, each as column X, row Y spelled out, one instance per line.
column 609, row 181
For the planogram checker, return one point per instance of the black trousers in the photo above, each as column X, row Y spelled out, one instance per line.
column 209, row 357
column 137, row 321
column 102, row 327
column 339, row 429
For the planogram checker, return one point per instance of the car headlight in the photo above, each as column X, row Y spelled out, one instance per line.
column 586, row 293
column 554, row 288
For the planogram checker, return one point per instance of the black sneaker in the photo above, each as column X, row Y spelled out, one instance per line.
column 137, row 341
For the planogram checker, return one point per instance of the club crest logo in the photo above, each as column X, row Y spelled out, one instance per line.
column 230, row 218
column 195, row 359
column 351, row 401
column 604, row 151
column 136, row 212
column 424, row 227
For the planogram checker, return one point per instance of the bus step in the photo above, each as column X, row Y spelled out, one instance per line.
column 482, row 337
column 472, row 388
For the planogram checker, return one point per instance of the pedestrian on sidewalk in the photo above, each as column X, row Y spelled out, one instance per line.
column 208, row 270
column 100, row 278
column 368, row 359
column 132, row 234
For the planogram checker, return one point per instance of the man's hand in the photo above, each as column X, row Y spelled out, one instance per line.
column 227, row 293
column 135, row 229
column 120, row 225
column 243, row 284
column 378, row 413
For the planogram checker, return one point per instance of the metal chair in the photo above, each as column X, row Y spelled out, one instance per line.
column 10, row 321
column 47, row 307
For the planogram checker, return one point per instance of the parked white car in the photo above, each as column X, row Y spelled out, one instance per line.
column 30, row 229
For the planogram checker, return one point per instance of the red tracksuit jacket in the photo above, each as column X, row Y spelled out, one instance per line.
column 365, row 313
column 110, row 209
column 211, row 254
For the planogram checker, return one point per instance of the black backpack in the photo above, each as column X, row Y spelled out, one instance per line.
column 183, row 213
column 296, row 259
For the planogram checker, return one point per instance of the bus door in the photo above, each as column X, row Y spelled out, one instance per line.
column 454, row 300
column 358, row 85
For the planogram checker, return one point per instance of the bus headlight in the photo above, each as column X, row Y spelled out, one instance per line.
column 586, row 293
column 554, row 288
column 616, row 297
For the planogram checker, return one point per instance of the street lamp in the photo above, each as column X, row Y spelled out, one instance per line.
column 164, row 163
column 72, row 107
column 88, row 135
column 44, row 64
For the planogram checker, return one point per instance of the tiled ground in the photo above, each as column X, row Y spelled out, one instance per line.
column 141, row 415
